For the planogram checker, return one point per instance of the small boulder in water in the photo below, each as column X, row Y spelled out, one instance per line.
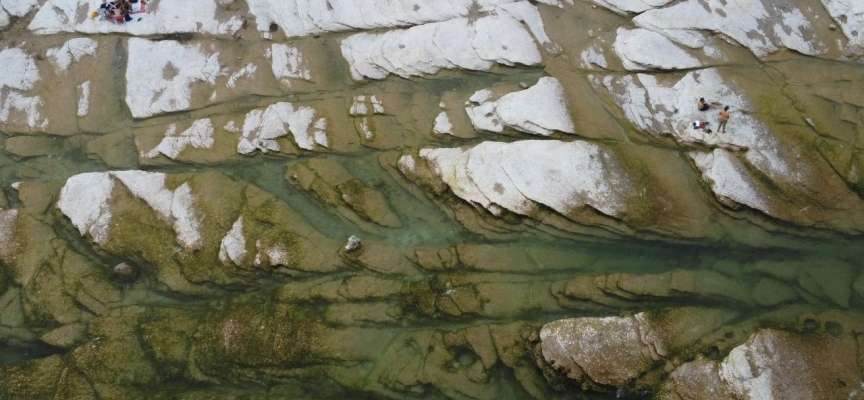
column 125, row 273
column 353, row 244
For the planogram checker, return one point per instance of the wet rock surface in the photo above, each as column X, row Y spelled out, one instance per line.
column 183, row 198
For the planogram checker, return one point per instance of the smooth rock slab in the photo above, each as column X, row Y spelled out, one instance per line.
column 262, row 128
column 161, row 74
column 849, row 14
column 305, row 17
column 521, row 176
column 775, row 364
column 454, row 44
column 21, row 76
column 539, row 110
column 162, row 17
column 641, row 49
column 763, row 26
column 85, row 199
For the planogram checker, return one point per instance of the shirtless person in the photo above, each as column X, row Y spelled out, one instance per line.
column 702, row 105
column 724, row 118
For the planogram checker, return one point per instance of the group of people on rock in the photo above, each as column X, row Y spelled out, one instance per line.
column 120, row 11
column 702, row 105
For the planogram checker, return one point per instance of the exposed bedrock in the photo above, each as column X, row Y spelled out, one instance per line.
column 687, row 353
column 760, row 160
column 201, row 227
column 331, row 183
column 616, row 186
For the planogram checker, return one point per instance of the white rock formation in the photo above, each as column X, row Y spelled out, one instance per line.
column 730, row 179
column 188, row 16
column 641, row 49
column 849, row 14
column 363, row 105
column 779, row 365
column 631, row 6
column 72, row 50
column 83, row 99
column 519, row 176
column 593, row 56
column 233, row 246
column 305, row 17
column 288, row 63
column 663, row 108
column 15, row 8
column 539, row 110
column 763, row 26
column 247, row 71
column 262, row 128
column 160, row 75
column 86, row 200
column 199, row 136
column 454, row 44
column 21, row 75
column 442, row 124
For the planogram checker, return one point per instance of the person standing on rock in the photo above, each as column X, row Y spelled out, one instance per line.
column 724, row 118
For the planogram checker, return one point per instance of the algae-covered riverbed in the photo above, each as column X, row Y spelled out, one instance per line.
column 537, row 216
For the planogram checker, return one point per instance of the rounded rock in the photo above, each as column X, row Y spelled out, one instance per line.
column 125, row 273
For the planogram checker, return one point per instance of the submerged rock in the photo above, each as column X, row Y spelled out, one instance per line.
column 333, row 184
column 353, row 244
column 124, row 272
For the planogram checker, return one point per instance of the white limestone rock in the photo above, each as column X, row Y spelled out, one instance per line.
column 263, row 127
column 763, row 26
column 442, row 124
column 86, row 200
column 617, row 351
column 18, row 8
column 538, row 110
column 520, row 176
column 160, row 75
column 849, row 14
column 199, row 136
column 631, row 6
column 454, row 44
column 305, row 17
column 72, row 50
column 779, row 365
column 233, row 246
column 593, row 56
column 363, row 105
column 166, row 17
column 83, row 99
column 663, row 108
column 20, row 76
column 730, row 179
column 288, row 63
column 641, row 49
column 15, row 8
column 248, row 71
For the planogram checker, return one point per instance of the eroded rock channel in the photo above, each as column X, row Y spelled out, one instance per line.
column 467, row 199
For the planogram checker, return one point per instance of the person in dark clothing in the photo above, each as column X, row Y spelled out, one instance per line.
column 702, row 105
